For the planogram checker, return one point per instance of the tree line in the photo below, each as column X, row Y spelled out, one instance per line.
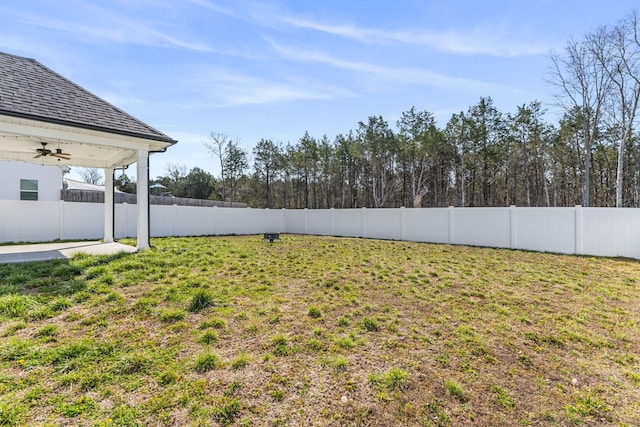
column 481, row 157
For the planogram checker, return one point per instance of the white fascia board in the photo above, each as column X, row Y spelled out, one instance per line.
column 54, row 131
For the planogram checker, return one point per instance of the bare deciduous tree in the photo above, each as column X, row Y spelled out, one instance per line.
column 585, row 85
column 91, row 175
column 218, row 147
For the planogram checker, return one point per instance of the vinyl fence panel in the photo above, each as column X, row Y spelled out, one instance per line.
column 610, row 232
column 318, row 222
column 427, row 225
column 81, row 222
column 29, row 221
column 482, row 227
column 383, row 223
column 231, row 221
column 545, row 229
column 348, row 222
column 577, row 230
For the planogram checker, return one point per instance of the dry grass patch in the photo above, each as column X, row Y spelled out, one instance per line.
column 320, row 331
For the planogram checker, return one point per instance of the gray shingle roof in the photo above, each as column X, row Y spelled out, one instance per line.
column 30, row 90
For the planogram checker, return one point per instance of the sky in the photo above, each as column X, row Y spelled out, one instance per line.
column 277, row 69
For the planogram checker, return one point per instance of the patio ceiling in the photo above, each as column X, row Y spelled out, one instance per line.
column 20, row 138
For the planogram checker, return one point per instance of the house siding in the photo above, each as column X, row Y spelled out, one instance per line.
column 49, row 180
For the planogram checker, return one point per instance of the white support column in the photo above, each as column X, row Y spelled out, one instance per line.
column 108, row 205
column 142, row 232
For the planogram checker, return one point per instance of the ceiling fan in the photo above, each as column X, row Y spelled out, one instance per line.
column 44, row 152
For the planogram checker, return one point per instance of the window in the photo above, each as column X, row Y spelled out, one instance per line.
column 28, row 189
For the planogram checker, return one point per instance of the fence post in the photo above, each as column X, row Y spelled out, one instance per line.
column 450, row 225
column 578, row 219
column 402, row 223
column 283, row 220
column 512, row 233
column 306, row 221
column 637, row 251
column 214, row 226
column 249, row 219
column 174, row 219
column 333, row 222
column 364, row 221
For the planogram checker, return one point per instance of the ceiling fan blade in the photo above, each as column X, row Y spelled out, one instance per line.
column 37, row 156
column 61, row 156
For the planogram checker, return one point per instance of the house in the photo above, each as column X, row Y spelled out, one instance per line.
column 72, row 184
column 49, row 120
column 30, row 181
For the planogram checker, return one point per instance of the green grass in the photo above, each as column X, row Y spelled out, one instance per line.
column 314, row 312
column 200, row 300
column 454, row 389
column 393, row 379
column 320, row 331
column 206, row 362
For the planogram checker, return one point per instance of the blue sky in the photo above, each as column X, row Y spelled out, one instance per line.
column 275, row 69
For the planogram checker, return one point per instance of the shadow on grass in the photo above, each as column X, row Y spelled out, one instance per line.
column 51, row 278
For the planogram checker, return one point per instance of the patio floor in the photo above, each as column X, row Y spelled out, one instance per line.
column 49, row 251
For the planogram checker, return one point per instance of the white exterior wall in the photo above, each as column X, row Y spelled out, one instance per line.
column 588, row 231
column 49, row 180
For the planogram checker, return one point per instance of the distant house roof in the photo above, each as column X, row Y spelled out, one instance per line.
column 30, row 90
column 72, row 184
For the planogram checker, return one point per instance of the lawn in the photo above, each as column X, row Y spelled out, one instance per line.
column 320, row 331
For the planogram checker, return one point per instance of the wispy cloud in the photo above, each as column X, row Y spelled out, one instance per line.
column 480, row 41
column 229, row 88
column 215, row 8
column 111, row 27
column 375, row 71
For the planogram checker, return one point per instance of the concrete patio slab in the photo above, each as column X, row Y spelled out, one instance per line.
column 49, row 251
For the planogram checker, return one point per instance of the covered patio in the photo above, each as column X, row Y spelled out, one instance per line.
column 47, row 119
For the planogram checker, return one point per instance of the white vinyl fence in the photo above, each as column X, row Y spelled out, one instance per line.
column 577, row 230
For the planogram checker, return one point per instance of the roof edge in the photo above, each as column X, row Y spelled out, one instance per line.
column 159, row 138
